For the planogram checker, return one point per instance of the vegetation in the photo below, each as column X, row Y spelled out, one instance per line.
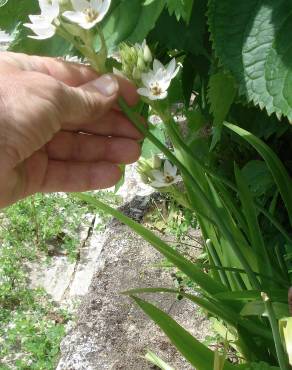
column 35, row 229
column 233, row 157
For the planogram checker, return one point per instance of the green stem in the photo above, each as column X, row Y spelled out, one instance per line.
column 281, row 355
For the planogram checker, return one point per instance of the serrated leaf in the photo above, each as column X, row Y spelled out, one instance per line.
column 252, row 39
column 168, row 31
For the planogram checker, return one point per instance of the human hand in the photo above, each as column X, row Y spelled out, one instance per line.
column 60, row 127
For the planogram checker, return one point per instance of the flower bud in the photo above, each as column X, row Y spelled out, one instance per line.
column 156, row 162
column 141, row 64
column 147, row 54
column 136, row 74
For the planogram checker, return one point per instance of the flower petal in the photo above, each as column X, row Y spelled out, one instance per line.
column 169, row 169
column 49, row 10
column 162, row 96
column 105, row 6
column 80, row 5
column 157, row 65
column 157, row 175
column 144, row 91
column 75, row 17
column 170, row 68
column 43, row 31
column 158, row 184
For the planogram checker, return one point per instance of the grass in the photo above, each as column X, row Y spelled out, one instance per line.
column 31, row 324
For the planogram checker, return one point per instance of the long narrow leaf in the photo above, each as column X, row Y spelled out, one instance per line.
column 276, row 167
column 191, row 270
column 196, row 353
column 255, row 235
column 215, row 308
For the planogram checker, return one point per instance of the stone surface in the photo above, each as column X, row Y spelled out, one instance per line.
column 111, row 332
column 64, row 280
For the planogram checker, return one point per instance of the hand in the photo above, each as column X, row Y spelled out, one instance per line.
column 60, row 127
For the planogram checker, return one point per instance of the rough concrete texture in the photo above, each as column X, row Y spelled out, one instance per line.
column 111, row 332
column 64, row 280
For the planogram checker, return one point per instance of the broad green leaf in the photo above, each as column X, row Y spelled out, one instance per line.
column 258, row 177
column 15, row 12
column 280, row 174
column 53, row 47
column 157, row 361
column 195, row 352
column 221, row 94
column 130, row 21
column 252, row 39
column 190, row 269
column 168, row 31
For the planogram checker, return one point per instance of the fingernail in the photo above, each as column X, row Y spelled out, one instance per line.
column 107, row 85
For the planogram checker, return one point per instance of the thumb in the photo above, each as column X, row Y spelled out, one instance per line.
column 89, row 101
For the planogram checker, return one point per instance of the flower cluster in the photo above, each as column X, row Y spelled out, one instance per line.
column 157, row 81
column 136, row 65
column 158, row 174
column 84, row 13
column 135, row 60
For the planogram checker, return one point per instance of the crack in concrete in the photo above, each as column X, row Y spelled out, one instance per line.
column 65, row 294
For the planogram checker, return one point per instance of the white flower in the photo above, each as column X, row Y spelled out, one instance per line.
column 5, row 37
column 87, row 13
column 157, row 81
column 42, row 25
column 167, row 177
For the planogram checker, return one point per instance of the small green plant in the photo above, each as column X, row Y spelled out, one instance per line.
column 31, row 326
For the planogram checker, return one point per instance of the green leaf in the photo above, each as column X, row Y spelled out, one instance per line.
column 276, row 295
column 280, row 174
column 53, row 47
column 168, row 31
column 252, row 39
column 221, row 94
column 140, row 20
column 255, row 235
column 257, row 308
column 191, row 270
column 215, row 308
column 195, row 352
column 157, row 361
column 14, row 12
column 258, row 177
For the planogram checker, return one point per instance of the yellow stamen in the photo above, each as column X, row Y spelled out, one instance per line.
column 91, row 14
column 156, row 89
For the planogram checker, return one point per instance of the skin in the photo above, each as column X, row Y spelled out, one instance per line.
column 60, row 127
